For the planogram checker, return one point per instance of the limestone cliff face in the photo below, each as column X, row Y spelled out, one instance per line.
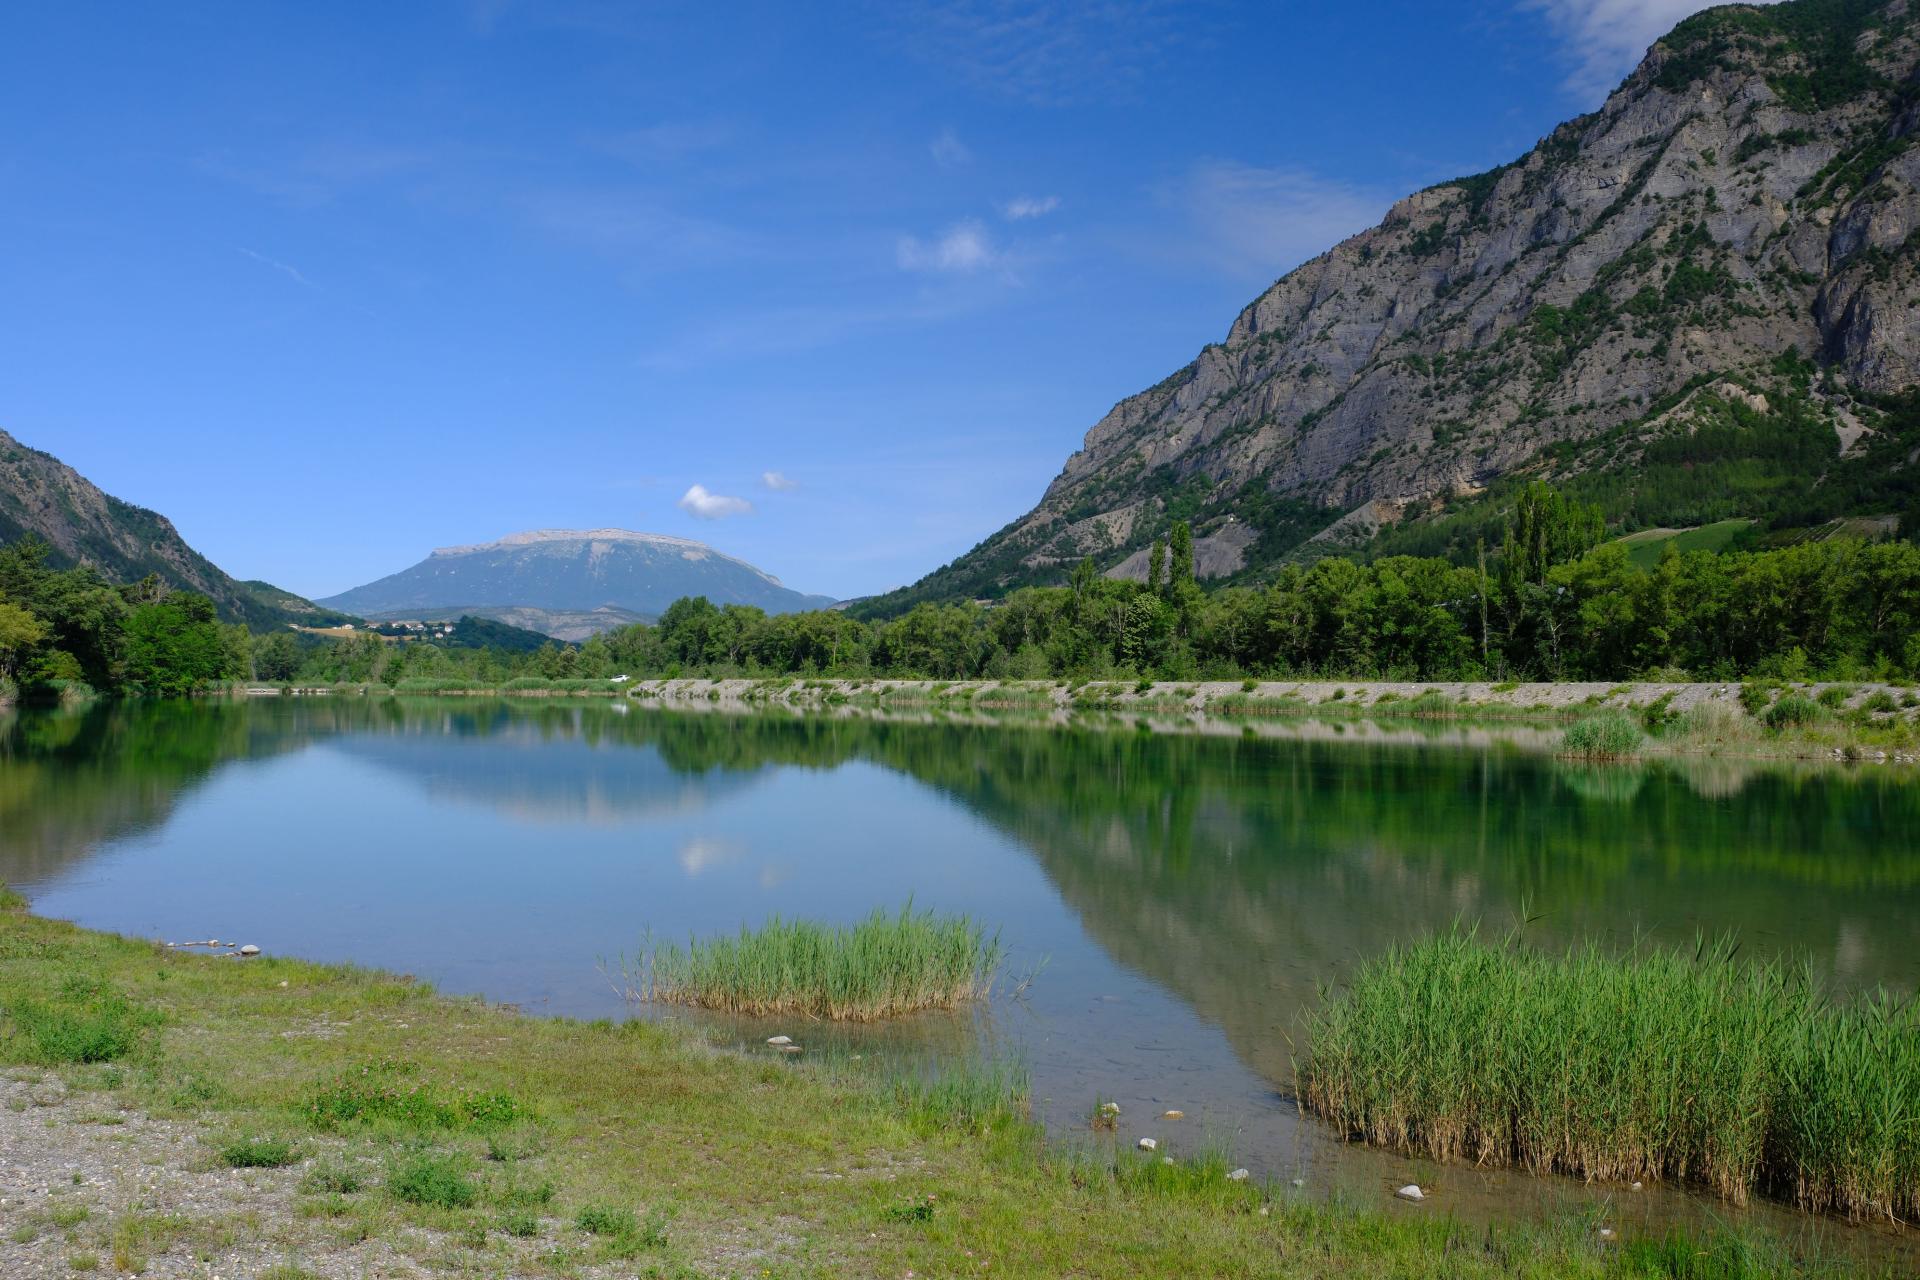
column 1750, row 190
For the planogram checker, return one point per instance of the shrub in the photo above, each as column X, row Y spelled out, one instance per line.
column 1792, row 711
column 1605, row 736
column 11, row 900
column 520, row 1223
column 1834, row 696
column 437, row 1181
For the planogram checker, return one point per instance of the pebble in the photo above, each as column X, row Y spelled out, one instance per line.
column 1173, row 1115
column 1148, row 1144
column 1411, row 1191
column 1634, row 1187
column 1166, row 1159
column 1299, row 1182
column 1238, row 1175
column 778, row 1041
column 1606, row 1233
column 249, row 950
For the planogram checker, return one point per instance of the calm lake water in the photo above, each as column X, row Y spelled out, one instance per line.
column 1182, row 895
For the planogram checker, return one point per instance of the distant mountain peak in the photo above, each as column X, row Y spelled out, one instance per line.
column 579, row 579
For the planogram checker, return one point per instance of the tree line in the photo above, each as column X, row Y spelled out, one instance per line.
column 1551, row 601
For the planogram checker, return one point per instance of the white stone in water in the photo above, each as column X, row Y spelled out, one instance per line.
column 1411, row 1191
column 1166, row 1159
column 249, row 950
column 1148, row 1144
column 1173, row 1115
column 779, row 1040
column 1238, row 1175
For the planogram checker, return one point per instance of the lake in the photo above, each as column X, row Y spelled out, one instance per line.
column 1176, row 892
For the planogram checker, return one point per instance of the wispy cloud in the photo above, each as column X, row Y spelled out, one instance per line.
column 291, row 272
column 1605, row 39
column 1021, row 208
column 704, row 504
column 963, row 247
column 778, row 481
column 1048, row 52
column 948, row 151
column 1255, row 222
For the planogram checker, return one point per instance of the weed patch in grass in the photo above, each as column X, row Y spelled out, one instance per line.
column 332, row 1180
column 437, row 1181
column 95, row 1028
column 258, row 1153
column 1623, row 1067
column 385, row 1092
column 884, row 966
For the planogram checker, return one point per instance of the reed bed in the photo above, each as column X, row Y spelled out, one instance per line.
column 1691, row 1064
column 882, row 967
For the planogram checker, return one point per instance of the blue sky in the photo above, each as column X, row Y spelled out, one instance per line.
column 835, row 288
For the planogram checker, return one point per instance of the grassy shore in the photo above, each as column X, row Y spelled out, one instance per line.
column 403, row 1133
column 1689, row 1065
column 882, row 967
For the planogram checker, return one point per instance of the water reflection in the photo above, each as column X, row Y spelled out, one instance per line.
column 1192, row 887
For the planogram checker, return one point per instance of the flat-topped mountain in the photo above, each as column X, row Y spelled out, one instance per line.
column 614, row 573
column 1697, row 301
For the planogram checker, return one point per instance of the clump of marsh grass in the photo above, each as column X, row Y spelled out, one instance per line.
column 1606, row 736
column 971, row 1096
column 883, row 966
column 1689, row 1064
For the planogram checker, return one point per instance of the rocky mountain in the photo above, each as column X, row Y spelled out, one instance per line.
column 559, row 624
column 41, row 495
column 571, row 572
column 1699, row 301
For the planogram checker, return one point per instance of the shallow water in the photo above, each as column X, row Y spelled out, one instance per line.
column 1179, row 895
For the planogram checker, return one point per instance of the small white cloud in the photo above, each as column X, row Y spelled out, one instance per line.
column 948, row 151
column 1605, row 39
column 1020, row 208
column 698, row 501
column 703, row 853
column 962, row 247
column 778, row 481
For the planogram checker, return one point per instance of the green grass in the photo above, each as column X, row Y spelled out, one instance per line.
column 882, row 967
column 1692, row 1065
column 1608, row 735
column 1793, row 711
column 388, row 1092
column 91, row 1028
column 1644, row 549
column 968, row 1097
column 783, row 1166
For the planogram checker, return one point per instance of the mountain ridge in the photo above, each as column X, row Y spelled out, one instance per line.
column 82, row 524
column 1731, row 237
